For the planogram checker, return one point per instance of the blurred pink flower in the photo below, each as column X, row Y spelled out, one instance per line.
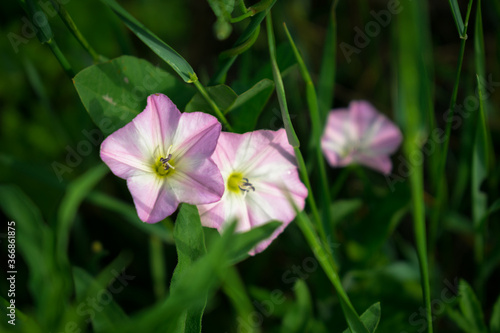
column 165, row 156
column 258, row 168
column 360, row 134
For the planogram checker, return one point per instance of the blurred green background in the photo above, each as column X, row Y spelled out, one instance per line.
column 42, row 122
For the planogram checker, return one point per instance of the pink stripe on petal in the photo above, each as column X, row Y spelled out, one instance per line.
column 197, row 134
column 125, row 153
column 363, row 116
column 197, row 183
column 381, row 163
column 158, row 122
column 387, row 139
column 152, row 197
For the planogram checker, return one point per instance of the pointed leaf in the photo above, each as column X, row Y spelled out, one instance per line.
column 248, row 106
column 244, row 242
column 221, row 94
column 115, row 92
column 190, row 244
column 162, row 49
column 370, row 318
column 495, row 318
column 298, row 318
column 455, row 10
column 110, row 313
column 471, row 308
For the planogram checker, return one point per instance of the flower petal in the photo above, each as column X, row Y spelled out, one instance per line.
column 197, row 181
column 125, row 153
column 153, row 198
column 268, row 161
column 339, row 133
column 157, row 124
column 196, row 135
column 381, row 163
column 131, row 149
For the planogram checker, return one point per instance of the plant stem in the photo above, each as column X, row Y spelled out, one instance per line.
column 61, row 58
column 441, row 176
column 68, row 21
column 214, row 106
column 312, row 102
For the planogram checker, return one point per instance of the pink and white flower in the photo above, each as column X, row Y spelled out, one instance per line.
column 165, row 156
column 360, row 134
column 260, row 175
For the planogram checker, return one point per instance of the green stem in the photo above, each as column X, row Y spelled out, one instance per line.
column 241, row 17
column 214, row 106
column 158, row 269
column 312, row 102
column 68, row 21
column 61, row 58
column 310, row 197
column 441, row 176
column 290, row 131
column 417, row 181
column 324, row 257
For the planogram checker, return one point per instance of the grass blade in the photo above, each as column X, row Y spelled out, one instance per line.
column 162, row 49
column 457, row 16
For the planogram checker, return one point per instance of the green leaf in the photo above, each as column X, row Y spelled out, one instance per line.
column 129, row 213
column 471, row 308
column 248, row 106
column 235, row 289
column 190, row 244
column 244, row 242
column 479, row 170
column 293, row 140
column 495, row 317
column 299, row 316
column 243, row 43
column 110, row 312
column 49, row 284
column 221, row 94
column 191, row 286
column 495, row 206
column 222, row 9
column 455, row 9
column 459, row 320
column 164, row 51
column 116, row 91
column 75, row 194
column 370, row 318
column 158, row 265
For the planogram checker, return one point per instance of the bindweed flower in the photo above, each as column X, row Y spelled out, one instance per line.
column 165, row 157
column 360, row 134
column 260, row 175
